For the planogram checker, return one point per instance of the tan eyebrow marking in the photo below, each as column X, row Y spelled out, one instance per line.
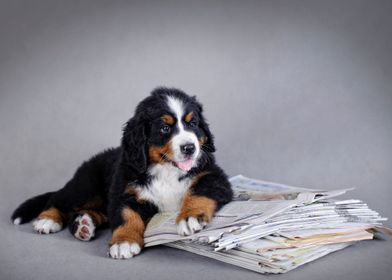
column 189, row 117
column 167, row 119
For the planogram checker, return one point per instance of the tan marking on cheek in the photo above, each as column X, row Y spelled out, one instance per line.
column 158, row 154
column 154, row 154
column 189, row 117
column 167, row 119
column 132, row 230
column 202, row 140
column 53, row 214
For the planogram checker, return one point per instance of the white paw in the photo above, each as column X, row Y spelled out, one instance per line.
column 85, row 229
column 46, row 226
column 17, row 221
column 124, row 250
column 190, row 227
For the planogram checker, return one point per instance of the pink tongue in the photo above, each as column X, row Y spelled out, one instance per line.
column 184, row 165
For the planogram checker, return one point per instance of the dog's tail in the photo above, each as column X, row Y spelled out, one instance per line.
column 30, row 209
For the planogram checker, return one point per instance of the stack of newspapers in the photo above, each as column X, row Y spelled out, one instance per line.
column 273, row 228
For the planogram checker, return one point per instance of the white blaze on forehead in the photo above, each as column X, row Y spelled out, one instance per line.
column 177, row 107
column 182, row 137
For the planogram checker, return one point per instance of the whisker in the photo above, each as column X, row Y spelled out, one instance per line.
column 207, row 147
column 165, row 155
column 208, row 159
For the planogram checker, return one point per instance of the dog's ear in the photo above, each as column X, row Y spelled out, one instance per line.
column 134, row 145
column 209, row 138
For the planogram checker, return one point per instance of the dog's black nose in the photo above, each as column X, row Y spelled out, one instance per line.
column 188, row 149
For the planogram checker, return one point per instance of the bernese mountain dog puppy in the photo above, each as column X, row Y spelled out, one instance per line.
column 165, row 163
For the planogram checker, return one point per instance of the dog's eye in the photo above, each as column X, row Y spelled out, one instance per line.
column 192, row 124
column 165, row 129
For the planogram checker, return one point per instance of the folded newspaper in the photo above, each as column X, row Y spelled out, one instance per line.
column 273, row 228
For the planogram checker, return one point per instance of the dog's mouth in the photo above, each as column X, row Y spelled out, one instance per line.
column 185, row 165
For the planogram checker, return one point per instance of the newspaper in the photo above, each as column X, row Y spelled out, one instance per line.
column 258, row 263
column 319, row 215
column 254, row 202
column 274, row 228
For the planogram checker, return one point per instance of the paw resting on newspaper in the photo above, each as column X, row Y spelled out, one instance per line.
column 165, row 163
column 196, row 211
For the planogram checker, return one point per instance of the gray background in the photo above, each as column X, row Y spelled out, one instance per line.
column 297, row 92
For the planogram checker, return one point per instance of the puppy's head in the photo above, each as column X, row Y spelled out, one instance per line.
column 168, row 127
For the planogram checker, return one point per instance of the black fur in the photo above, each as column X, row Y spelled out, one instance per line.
column 30, row 209
column 107, row 174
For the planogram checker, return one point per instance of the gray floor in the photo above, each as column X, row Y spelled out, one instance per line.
column 298, row 92
column 27, row 255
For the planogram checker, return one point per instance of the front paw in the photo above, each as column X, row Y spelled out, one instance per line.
column 195, row 213
column 124, row 250
column 190, row 226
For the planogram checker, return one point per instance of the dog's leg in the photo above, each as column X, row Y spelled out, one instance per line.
column 196, row 212
column 49, row 221
column 207, row 194
column 81, row 192
column 83, row 227
column 128, row 224
column 127, row 239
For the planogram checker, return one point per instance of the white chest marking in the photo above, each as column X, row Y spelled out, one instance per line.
column 165, row 190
